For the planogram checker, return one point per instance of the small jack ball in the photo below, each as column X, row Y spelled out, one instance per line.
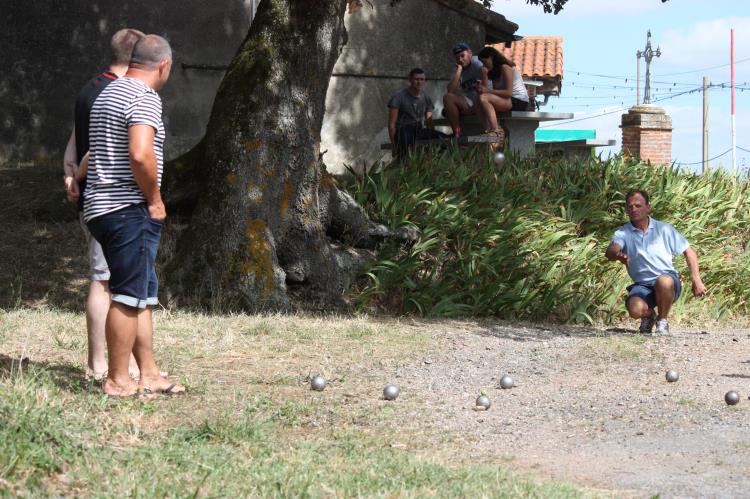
column 672, row 376
column 318, row 383
column 483, row 401
column 732, row 398
column 506, row 382
column 498, row 158
column 390, row 392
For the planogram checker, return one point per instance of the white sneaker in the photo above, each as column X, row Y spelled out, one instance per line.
column 662, row 327
column 647, row 323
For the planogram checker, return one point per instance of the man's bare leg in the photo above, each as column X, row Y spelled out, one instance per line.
column 97, row 308
column 638, row 308
column 121, row 330
column 455, row 105
column 664, row 290
column 143, row 349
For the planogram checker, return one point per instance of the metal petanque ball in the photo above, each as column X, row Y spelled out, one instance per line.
column 506, row 382
column 483, row 401
column 672, row 376
column 318, row 383
column 390, row 392
column 498, row 158
column 732, row 398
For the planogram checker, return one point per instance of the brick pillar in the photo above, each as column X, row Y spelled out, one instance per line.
column 647, row 134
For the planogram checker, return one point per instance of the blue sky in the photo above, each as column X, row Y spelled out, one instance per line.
column 601, row 37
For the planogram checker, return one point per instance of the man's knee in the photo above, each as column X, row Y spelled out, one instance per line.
column 665, row 282
column 637, row 307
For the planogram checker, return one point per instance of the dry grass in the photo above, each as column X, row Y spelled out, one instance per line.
column 249, row 402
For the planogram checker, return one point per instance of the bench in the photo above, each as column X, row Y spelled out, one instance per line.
column 581, row 148
column 520, row 125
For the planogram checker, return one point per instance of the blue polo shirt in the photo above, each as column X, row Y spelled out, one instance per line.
column 650, row 253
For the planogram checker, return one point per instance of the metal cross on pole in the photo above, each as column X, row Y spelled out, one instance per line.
column 647, row 54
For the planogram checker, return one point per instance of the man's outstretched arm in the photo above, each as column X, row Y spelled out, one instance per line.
column 699, row 289
column 614, row 252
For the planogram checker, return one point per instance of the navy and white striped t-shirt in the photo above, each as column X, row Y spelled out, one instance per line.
column 111, row 185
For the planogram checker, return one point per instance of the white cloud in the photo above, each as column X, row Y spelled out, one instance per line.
column 706, row 43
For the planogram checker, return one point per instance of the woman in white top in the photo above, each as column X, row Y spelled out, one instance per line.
column 501, row 89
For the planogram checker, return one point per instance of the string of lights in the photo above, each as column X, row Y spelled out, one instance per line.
column 565, row 122
column 594, row 86
column 718, row 87
column 620, row 77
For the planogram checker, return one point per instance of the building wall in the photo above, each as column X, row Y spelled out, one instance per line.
column 385, row 42
column 51, row 48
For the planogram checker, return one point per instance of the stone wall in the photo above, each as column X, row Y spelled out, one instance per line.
column 385, row 42
column 51, row 48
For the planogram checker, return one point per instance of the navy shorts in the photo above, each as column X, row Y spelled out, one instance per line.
column 647, row 293
column 130, row 239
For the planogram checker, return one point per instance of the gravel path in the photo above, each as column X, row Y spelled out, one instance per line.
column 590, row 406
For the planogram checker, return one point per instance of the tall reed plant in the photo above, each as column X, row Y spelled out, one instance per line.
column 525, row 239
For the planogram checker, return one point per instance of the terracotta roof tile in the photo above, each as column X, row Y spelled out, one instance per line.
column 536, row 56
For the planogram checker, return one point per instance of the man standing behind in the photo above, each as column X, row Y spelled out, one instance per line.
column 97, row 302
column 125, row 213
column 409, row 112
column 646, row 247
column 462, row 89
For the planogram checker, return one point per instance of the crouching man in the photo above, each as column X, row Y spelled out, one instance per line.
column 646, row 247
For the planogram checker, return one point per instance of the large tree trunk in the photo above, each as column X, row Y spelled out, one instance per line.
column 254, row 196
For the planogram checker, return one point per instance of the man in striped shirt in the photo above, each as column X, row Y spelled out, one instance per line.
column 124, row 211
column 97, row 302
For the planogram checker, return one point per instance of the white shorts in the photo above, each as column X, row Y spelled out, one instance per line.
column 98, row 269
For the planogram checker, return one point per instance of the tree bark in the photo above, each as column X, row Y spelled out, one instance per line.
column 254, row 196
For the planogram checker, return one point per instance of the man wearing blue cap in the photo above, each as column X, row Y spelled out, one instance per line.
column 462, row 89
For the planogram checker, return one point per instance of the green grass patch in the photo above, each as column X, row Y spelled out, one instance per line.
column 525, row 240
column 54, row 442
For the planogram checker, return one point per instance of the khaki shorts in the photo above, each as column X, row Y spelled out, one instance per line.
column 98, row 269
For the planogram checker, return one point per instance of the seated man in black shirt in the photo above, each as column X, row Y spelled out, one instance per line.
column 410, row 113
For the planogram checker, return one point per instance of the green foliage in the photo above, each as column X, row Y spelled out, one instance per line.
column 526, row 239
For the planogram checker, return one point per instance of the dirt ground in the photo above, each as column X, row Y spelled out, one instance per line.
column 591, row 406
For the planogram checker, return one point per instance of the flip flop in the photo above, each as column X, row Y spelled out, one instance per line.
column 143, row 394
column 170, row 390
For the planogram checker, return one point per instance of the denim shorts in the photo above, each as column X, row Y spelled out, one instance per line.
column 646, row 291
column 130, row 240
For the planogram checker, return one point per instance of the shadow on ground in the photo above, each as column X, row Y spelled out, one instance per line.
column 42, row 251
column 65, row 376
column 519, row 332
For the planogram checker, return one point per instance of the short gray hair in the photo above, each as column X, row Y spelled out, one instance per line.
column 150, row 51
column 122, row 44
